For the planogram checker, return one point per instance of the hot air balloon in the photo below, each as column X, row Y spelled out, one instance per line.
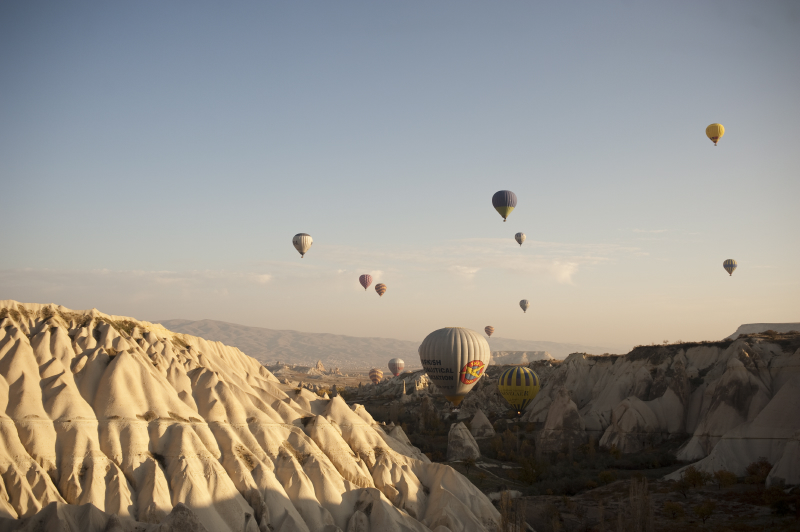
column 520, row 238
column 301, row 242
column 504, row 202
column 715, row 132
column 365, row 280
column 519, row 386
column 729, row 266
column 380, row 288
column 396, row 365
column 375, row 375
column 524, row 305
column 455, row 359
column 489, row 330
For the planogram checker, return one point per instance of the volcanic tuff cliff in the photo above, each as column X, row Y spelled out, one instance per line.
column 134, row 419
column 735, row 401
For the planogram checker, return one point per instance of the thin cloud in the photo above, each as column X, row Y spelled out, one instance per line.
column 563, row 271
column 466, row 257
column 464, row 271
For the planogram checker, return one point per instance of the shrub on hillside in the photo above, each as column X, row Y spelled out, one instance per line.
column 705, row 510
column 674, row 510
column 695, row 477
column 723, row 478
column 681, row 486
column 757, row 471
column 607, row 477
column 531, row 470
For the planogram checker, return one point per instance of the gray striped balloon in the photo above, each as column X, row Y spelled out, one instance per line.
column 396, row 365
column 302, row 242
column 455, row 359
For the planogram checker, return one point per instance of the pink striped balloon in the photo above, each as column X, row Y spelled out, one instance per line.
column 365, row 280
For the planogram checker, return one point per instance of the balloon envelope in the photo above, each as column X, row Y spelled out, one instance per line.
column 519, row 386
column 380, row 288
column 520, row 238
column 715, row 132
column 524, row 305
column 489, row 330
column 365, row 280
column 729, row 266
column 375, row 375
column 396, row 365
column 455, row 359
column 504, row 202
column 301, row 242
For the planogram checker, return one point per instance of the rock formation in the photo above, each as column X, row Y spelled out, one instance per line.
column 756, row 328
column 484, row 396
column 736, row 401
column 132, row 419
column 460, row 444
column 480, row 426
column 518, row 357
column 563, row 426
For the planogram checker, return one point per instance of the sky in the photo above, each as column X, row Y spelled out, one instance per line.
column 156, row 159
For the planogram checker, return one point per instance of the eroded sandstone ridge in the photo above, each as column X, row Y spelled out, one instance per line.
column 134, row 419
column 735, row 401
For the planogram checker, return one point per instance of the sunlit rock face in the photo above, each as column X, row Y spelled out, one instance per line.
column 735, row 401
column 480, row 426
column 460, row 444
column 130, row 419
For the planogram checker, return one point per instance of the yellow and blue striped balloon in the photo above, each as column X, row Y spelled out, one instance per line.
column 519, row 386
column 729, row 266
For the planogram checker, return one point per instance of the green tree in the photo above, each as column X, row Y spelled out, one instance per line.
column 607, row 477
column 531, row 470
column 757, row 471
column 705, row 510
column 681, row 486
column 674, row 510
column 695, row 477
column 616, row 453
column 468, row 463
column 724, row 478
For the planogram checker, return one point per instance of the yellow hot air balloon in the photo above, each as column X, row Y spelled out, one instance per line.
column 375, row 375
column 715, row 132
column 518, row 386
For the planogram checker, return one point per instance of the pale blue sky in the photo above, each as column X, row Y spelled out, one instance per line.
column 157, row 157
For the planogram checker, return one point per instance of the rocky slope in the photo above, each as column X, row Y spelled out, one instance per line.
column 128, row 418
column 735, row 401
column 518, row 357
column 755, row 328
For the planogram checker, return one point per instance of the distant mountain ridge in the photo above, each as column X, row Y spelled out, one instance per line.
column 335, row 350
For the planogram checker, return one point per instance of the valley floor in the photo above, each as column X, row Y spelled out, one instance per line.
column 590, row 489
